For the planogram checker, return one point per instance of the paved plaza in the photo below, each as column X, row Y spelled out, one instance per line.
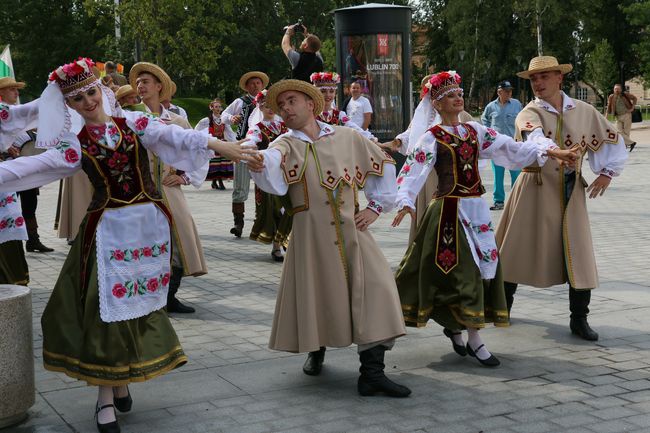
column 549, row 380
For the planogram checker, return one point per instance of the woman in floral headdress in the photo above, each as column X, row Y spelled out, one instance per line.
column 272, row 224
column 327, row 83
column 451, row 271
column 220, row 168
column 104, row 322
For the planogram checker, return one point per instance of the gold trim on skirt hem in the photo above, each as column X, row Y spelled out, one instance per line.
column 114, row 376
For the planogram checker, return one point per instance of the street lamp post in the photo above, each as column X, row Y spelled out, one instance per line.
column 519, row 89
column 622, row 77
column 461, row 55
column 576, row 51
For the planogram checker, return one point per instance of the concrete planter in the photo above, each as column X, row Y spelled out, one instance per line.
column 16, row 354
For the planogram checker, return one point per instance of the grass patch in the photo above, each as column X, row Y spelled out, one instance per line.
column 197, row 108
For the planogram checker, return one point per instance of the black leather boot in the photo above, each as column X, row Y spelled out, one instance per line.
column 314, row 363
column 510, row 289
column 33, row 243
column 173, row 304
column 579, row 306
column 373, row 380
column 238, row 216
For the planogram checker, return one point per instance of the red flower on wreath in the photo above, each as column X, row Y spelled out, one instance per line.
column 118, row 255
column 4, row 114
column 421, row 157
column 19, row 221
column 119, row 290
column 152, row 285
column 147, row 252
column 165, row 279
column 447, row 258
column 466, row 151
column 71, row 155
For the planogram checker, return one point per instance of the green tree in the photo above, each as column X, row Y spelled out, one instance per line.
column 601, row 71
column 638, row 13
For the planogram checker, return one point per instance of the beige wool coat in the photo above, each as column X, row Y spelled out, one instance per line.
column 336, row 286
column 543, row 242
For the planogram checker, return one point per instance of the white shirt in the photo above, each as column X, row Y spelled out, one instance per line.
column 357, row 108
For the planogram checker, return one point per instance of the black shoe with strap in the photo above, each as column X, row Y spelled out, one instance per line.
column 492, row 361
column 373, row 381
column 458, row 348
column 110, row 427
column 580, row 327
column 123, row 404
column 314, row 363
column 176, row 306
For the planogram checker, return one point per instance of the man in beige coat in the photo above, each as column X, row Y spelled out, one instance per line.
column 336, row 286
column 544, row 236
column 153, row 85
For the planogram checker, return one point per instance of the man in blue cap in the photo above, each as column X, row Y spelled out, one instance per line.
column 500, row 115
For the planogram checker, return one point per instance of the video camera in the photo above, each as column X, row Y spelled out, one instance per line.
column 297, row 27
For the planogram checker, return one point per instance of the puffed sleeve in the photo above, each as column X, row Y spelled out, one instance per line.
column 419, row 163
column 15, row 119
column 231, row 110
column 271, row 179
column 609, row 159
column 511, row 154
column 203, row 124
column 183, row 149
column 381, row 191
column 346, row 121
column 29, row 172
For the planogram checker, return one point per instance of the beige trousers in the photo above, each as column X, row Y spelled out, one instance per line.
column 624, row 127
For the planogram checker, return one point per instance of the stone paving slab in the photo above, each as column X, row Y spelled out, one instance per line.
column 549, row 381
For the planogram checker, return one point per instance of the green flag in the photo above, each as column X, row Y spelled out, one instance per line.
column 6, row 65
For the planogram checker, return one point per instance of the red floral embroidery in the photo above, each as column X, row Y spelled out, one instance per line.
column 466, row 151
column 92, row 150
column 141, row 123
column 4, row 114
column 165, row 279
column 421, row 157
column 494, row 254
column 19, row 221
column 133, row 254
column 117, row 255
column 119, row 290
column 406, row 168
column 447, row 258
column 484, row 228
column 71, row 155
column 147, row 251
column 118, row 161
column 152, row 285
column 3, row 224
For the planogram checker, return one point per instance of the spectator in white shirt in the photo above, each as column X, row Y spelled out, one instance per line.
column 359, row 108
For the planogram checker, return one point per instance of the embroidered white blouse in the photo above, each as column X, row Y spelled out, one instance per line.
column 473, row 212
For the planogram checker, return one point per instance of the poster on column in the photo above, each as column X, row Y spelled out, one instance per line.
column 375, row 61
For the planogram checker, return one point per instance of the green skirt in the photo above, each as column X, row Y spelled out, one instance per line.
column 76, row 341
column 270, row 225
column 13, row 266
column 457, row 300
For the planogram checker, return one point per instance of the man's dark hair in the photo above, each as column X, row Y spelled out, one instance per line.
column 313, row 42
column 110, row 65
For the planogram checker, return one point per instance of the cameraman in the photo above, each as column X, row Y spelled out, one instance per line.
column 308, row 60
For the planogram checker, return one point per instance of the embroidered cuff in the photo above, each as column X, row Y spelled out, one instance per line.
column 186, row 179
column 375, row 206
column 607, row 172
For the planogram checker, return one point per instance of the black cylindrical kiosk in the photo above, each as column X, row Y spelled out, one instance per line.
column 373, row 46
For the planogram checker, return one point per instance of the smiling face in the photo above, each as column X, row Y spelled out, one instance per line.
column 296, row 109
column 355, row 90
column 148, row 86
column 329, row 93
column 216, row 107
column 89, row 105
column 546, row 85
column 267, row 112
column 451, row 103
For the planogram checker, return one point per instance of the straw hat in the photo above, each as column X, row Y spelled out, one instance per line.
column 174, row 88
column 8, row 82
column 544, row 64
column 298, row 86
column 125, row 91
column 156, row 71
column 253, row 74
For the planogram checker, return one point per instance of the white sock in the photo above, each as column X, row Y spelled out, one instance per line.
column 457, row 336
column 474, row 341
column 104, row 397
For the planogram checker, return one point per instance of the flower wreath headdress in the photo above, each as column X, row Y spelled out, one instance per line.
column 54, row 117
column 260, row 98
column 327, row 80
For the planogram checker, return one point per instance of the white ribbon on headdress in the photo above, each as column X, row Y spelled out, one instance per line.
column 424, row 118
column 55, row 118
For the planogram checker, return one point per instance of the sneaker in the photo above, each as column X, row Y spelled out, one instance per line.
column 497, row 206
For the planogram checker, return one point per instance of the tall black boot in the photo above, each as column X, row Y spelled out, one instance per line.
column 173, row 304
column 373, row 380
column 314, row 363
column 510, row 289
column 34, row 243
column 238, row 216
column 579, row 306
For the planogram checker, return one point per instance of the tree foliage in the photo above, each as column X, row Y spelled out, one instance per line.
column 601, row 70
